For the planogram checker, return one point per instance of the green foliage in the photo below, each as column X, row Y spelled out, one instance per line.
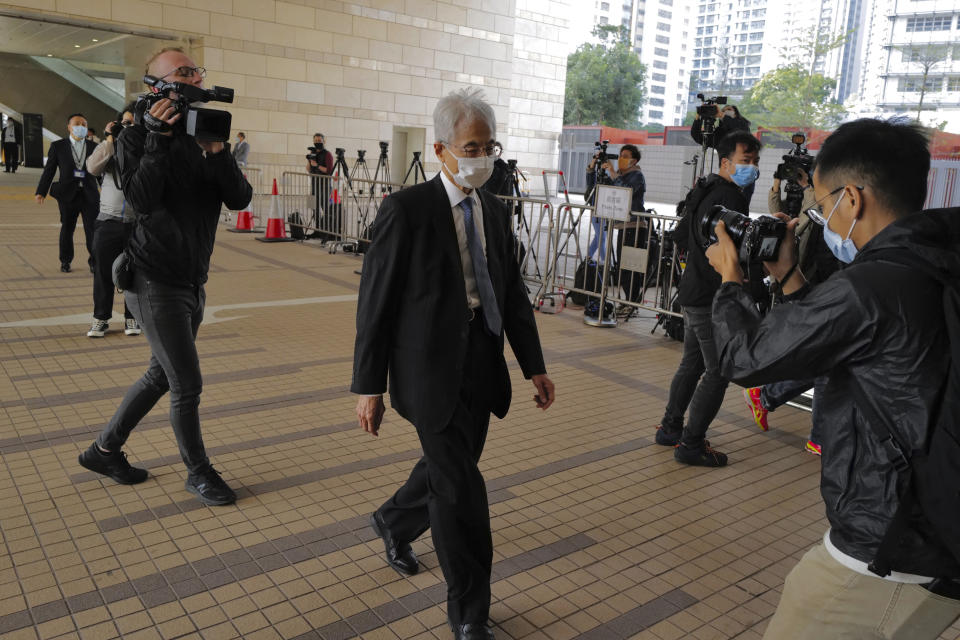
column 606, row 83
column 924, row 58
column 792, row 96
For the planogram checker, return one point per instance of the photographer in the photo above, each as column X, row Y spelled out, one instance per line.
column 177, row 184
column 739, row 156
column 881, row 332
column 113, row 228
column 728, row 120
column 624, row 173
column 320, row 163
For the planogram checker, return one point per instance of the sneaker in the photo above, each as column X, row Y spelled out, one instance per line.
column 703, row 456
column 752, row 396
column 210, row 488
column 132, row 328
column 97, row 329
column 114, row 465
column 668, row 437
column 812, row 447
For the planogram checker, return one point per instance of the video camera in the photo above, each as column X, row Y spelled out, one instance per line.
column 206, row 125
column 316, row 153
column 709, row 108
column 757, row 239
column 795, row 165
column 600, row 151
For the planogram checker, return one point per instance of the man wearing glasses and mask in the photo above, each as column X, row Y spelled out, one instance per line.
column 880, row 331
column 177, row 185
column 440, row 288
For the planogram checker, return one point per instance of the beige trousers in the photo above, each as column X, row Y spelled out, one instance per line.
column 823, row 600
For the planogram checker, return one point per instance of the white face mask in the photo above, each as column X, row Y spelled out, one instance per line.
column 472, row 173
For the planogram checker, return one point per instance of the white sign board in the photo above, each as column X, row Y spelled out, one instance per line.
column 613, row 202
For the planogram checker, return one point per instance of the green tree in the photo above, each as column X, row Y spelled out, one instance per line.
column 606, row 83
column 792, row 96
column 925, row 57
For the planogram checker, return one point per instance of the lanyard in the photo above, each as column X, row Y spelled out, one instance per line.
column 78, row 153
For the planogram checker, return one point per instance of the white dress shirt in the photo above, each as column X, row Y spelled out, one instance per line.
column 457, row 196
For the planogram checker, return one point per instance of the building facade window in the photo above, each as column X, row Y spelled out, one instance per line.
column 929, row 23
column 659, row 77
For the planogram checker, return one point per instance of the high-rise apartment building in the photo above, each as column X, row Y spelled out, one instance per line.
column 733, row 39
column 898, row 36
column 660, row 32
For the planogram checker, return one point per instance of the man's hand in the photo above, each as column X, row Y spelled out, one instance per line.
column 313, row 163
column 545, row 391
column 39, row 198
column 370, row 412
column 723, row 256
column 788, row 250
column 211, row 147
column 165, row 110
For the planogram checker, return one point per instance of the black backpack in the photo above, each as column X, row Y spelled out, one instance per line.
column 932, row 473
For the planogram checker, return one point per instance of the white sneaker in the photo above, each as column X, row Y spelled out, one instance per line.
column 133, row 329
column 97, row 329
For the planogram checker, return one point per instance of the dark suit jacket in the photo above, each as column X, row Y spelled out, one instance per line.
column 412, row 316
column 61, row 157
column 17, row 131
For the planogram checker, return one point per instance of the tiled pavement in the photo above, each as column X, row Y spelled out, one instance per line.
column 598, row 533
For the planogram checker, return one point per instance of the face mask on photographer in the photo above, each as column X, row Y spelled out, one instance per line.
column 625, row 163
column 472, row 173
column 745, row 175
column 842, row 248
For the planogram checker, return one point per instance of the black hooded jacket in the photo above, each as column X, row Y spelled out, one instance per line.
column 878, row 324
column 178, row 193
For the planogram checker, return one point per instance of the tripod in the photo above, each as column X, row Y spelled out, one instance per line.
column 415, row 167
column 383, row 164
column 707, row 129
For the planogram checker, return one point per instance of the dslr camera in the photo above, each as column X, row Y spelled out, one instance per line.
column 206, row 125
column 600, row 151
column 757, row 239
column 795, row 165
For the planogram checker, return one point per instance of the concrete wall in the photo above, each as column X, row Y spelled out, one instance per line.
column 356, row 70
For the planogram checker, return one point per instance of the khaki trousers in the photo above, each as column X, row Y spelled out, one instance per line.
column 823, row 600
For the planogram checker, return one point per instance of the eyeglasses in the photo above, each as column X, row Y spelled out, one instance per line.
column 126, row 123
column 476, row 151
column 815, row 212
column 187, row 72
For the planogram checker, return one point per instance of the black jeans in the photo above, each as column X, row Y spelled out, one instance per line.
column 170, row 317
column 702, row 395
column 446, row 493
column 778, row 394
column 69, row 212
column 109, row 239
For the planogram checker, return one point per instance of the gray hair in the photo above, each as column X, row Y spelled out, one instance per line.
column 466, row 104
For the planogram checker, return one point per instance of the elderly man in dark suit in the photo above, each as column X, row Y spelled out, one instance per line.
column 440, row 287
column 77, row 191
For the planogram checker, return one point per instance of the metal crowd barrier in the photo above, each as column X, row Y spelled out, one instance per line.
column 361, row 202
column 630, row 265
column 308, row 204
column 533, row 228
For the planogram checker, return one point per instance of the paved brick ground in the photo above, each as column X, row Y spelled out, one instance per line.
column 598, row 533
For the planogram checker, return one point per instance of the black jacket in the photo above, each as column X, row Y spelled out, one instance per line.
column 412, row 316
column 177, row 193
column 66, row 188
column 700, row 281
column 877, row 324
column 722, row 128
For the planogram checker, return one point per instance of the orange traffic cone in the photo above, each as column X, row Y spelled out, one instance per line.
column 276, row 229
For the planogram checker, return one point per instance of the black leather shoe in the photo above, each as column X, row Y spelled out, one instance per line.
column 399, row 554
column 65, row 267
column 210, row 488
column 472, row 631
column 114, row 465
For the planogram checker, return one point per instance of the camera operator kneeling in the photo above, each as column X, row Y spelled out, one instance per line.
column 176, row 183
column 881, row 332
